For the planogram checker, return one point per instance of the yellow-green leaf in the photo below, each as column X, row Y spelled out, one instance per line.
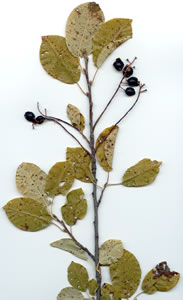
column 60, row 173
column 75, row 207
column 31, row 181
column 160, row 279
column 110, row 252
column 27, row 214
column 69, row 293
column 92, row 286
column 78, row 276
column 81, row 27
column 105, row 147
column 82, row 163
column 141, row 174
column 58, row 61
column 108, row 37
column 76, row 118
column 70, row 246
column 125, row 275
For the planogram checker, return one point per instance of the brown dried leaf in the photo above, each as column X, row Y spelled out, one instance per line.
column 81, row 27
column 27, row 214
column 61, row 172
column 58, row 61
column 141, row 174
column 160, row 279
column 105, row 147
column 108, row 37
column 78, row 276
column 69, row 293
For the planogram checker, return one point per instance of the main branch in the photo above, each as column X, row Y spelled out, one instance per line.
column 94, row 193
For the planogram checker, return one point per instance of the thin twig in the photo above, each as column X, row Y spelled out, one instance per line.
column 81, row 89
column 73, row 238
column 114, row 184
column 114, row 126
column 50, row 118
column 113, row 96
column 103, row 190
column 138, row 295
column 94, row 76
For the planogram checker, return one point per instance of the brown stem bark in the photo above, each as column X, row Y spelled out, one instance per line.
column 94, row 193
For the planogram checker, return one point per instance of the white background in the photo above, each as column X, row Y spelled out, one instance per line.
column 148, row 220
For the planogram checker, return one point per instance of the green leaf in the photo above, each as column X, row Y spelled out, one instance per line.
column 82, row 163
column 76, row 118
column 70, row 246
column 78, row 276
column 92, row 286
column 58, row 61
column 60, row 173
column 141, row 174
column 110, row 252
column 75, row 207
column 30, row 181
column 108, row 37
column 27, row 214
column 105, row 147
column 81, row 27
column 125, row 275
column 69, row 293
column 160, row 279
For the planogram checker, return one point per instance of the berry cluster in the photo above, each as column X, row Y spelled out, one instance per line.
column 127, row 72
column 30, row 116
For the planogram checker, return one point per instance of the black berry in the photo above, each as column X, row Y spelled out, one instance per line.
column 133, row 81
column 40, row 120
column 130, row 91
column 128, row 72
column 29, row 116
column 118, row 64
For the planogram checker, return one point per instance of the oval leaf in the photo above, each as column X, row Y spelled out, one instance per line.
column 108, row 37
column 69, row 293
column 78, row 276
column 75, row 207
column 125, row 275
column 141, row 174
column 92, row 286
column 31, row 181
column 70, row 246
column 82, row 163
column 160, row 279
column 61, row 172
column 81, row 27
column 110, row 252
column 105, row 147
column 76, row 118
column 27, row 214
column 58, row 61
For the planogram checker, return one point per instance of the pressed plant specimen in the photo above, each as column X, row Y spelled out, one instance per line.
column 67, row 59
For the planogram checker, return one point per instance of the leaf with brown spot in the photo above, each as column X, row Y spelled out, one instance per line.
column 61, row 173
column 110, row 251
column 58, row 61
column 27, row 214
column 69, row 293
column 160, row 279
column 105, row 147
column 81, row 26
column 75, row 207
column 78, row 276
column 76, row 118
column 125, row 275
column 108, row 37
column 82, row 163
column 141, row 174
column 31, row 181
